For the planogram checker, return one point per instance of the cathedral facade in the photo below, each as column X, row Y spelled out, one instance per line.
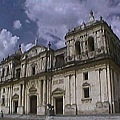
column 81, row 78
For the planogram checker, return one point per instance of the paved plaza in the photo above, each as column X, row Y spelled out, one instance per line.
column 80, row 117
column 23, row 117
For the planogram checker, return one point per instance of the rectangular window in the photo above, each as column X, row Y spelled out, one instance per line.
column 18, row 73
column 3, row 72
column 59, row 60
column 3, row 101
column 117, row 77
column 7, row 70
column 33, row 70
column 85, row 76
column 86, row 92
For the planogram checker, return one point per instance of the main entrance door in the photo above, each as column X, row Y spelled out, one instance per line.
column 33, row 104
column 15, row 106
column 59, row 105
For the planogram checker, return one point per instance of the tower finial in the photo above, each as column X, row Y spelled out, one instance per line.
column 49, row 45
column 91, row 16
column 19, row 46
column 101, row 18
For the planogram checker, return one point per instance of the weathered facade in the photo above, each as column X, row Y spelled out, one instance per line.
column 81, row 78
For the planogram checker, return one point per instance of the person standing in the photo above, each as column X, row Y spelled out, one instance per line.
column 1, row 114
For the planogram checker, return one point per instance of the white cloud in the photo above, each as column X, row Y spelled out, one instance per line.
column 8, row 43
column 17, row 24
column 60, row 44
column 27, row 21
column 115, row 24
column 56, row 17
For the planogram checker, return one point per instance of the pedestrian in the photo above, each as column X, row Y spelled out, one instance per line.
column 1, row 114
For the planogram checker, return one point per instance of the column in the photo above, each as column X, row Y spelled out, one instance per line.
column 108, row 83
column 73, row 91
column 73, row 47
column 111, row 89
column 23, row 98
column 44, row 92
column 99, row 80
column 8, row 100
column 12, row 108
column 50, row 89
column 23, row 95
column 40, row 97
column 68, row 98
column 11, row 99
column 96, row 41
column 19, row 101
column 47, row 91
column 63, row 104
column 7, row 96
column 68, row 52
column 104, row 80
column 25, row 105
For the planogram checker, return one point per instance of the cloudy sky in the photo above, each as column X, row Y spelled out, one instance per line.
column 21, row 21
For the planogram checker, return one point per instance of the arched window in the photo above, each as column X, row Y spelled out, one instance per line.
column 77, row 48
column 91, row 46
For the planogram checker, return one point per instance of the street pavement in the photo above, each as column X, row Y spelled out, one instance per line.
column 22, row 117
column 19, row 119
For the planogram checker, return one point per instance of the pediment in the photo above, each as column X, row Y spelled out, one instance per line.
column 15, row 96
column 58, row 91
column 85, row 84
column 35, row 50
column 32, row 89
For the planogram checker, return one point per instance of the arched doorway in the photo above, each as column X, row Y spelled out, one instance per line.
column 33, row 104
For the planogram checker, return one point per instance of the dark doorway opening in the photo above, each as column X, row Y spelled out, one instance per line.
column 59, row 105
column 15, row 106
column 119, row 105
column 33, row 104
